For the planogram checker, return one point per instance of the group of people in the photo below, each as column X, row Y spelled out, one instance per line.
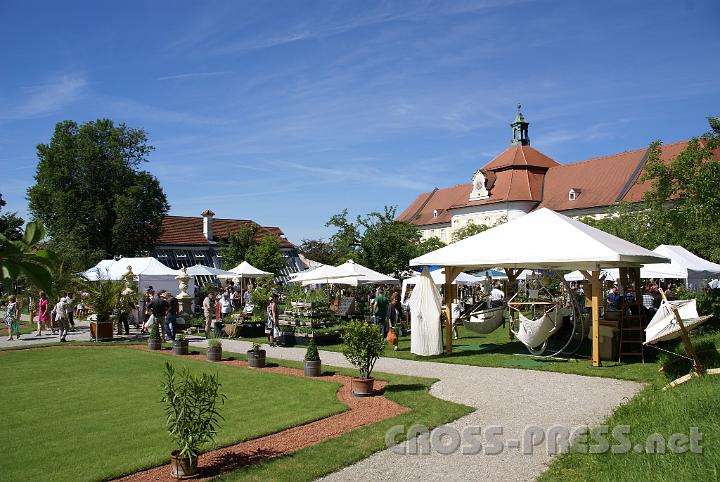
column 163, row 308
column 651, row 296
column 59, row 318
column 388, row 313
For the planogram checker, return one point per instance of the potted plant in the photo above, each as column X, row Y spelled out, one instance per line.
column 214, row 351
column 312, row 363
column 362, row 346
column 192, row 416
column 102, row 297
column 180, row 345
column 256, row 357
column 154, row 342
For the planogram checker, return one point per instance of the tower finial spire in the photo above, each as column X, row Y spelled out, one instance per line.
column 519, row 129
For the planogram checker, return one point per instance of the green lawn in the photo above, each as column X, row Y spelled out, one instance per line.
column 89, row 414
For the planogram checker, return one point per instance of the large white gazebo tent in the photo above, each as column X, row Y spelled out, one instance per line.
column 349, row 273
column 438, row 277
column 542, row 239
column 149, row 272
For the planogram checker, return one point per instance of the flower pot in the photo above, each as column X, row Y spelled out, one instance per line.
column 101, row 330
column 312, row 368
column 183, row 467
column 256, row 359
column 154, row 344
column 214, row 353
column 180, row 347
column 363, row 387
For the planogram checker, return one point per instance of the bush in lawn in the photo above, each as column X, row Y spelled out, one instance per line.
column 362, row 346
column 191, row 407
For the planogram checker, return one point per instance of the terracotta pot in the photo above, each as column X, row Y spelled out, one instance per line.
column 101, row 330
column 214, row 354
column 180, row 347
column 154, row 344
column 256, row 359
column 182, row 468
column 312, row 368
column 363, row 387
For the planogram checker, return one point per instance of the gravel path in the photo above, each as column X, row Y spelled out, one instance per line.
column 510, row 398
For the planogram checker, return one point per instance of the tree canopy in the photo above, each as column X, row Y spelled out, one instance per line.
column 242, row 245
column 681, row 206
column 91, row 194
column 10, row 223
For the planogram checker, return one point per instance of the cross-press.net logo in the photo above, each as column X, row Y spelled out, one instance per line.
column 491, row 440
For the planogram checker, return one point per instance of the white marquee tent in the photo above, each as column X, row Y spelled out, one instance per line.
column 698, row 269
column 202, row 270
column 148, row 271
column 348, row 273
column 246, row 270
column 438, row 277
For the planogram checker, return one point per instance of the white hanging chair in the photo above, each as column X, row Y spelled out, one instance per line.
column 485, row 321
column 534, row 333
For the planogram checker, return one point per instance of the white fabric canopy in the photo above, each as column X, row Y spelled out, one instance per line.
column 202, row 270
column 664, row 326
column 246, row 270
column 698, row 269
column 438, row 277
column 425, row 305
column 542, row 239
column 348, row 273
column 655, row 270
column 149, row 272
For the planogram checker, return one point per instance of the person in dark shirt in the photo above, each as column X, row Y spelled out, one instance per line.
column 172, row 314
column 159, row 307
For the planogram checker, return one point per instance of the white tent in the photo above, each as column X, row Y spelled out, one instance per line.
column 655, row 270
column 246, row 270
column 149, row 272
column 202, row 270
column 425, row 302
column 348, row 273
column 698, row 269
column 544, row 239
column 438, row 277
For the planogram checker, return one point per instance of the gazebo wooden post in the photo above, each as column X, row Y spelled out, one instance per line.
column 451, row 272
column 512, row 275
column 596, row 289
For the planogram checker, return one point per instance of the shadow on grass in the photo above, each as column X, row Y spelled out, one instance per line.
column 404, row 387
column 675, row 366
column 236, row 460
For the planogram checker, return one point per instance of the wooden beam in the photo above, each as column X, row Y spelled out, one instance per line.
column 596, row 292
column 451, row 273
column 512, row 275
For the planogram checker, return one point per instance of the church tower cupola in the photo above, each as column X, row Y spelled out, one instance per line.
column 520, row 130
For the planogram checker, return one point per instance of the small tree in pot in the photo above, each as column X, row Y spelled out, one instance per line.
column 312, row 367
column 256, row 357
column 154, row 342
column 192, row 416
column 103, row 297
column 362, row 346
column 180, row 345
column 214, row 351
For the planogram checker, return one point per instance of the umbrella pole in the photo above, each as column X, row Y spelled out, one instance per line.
column 689, row 349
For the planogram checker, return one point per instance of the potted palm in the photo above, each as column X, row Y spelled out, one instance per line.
column 214, row 351
column 180, row 345
column 256, row 357
column 154, row 342
column 103, row 297
column 312, row 362
column 192, row 416
column 362, row 346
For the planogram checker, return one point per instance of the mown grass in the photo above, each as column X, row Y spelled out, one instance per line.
column 95, row 413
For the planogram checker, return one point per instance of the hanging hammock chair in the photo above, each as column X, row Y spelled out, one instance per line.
column 535, row 332
column 485, row 320
column 664, row 326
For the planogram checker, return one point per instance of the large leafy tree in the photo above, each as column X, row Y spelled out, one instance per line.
column 266, row 254
column 317, row 250
column 10, row 223
column 346, row 240
column 92, row 195
column 234, row 247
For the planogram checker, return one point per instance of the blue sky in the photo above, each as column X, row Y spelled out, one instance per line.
column 288, row 112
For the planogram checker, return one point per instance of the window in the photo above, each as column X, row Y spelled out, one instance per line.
column 442, row 235
column 435, row 213
column 573, row 194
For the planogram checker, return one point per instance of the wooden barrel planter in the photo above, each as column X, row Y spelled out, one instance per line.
column 256, row 359
column 180, row 347
column 312, row 368
column 214, row 353
column 154, row 344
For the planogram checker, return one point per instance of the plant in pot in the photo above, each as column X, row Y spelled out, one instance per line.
column 214, row 351
column 180, row 345
column 362, row 346
column 312, row 366
column 103, row 297
column 256, row 357
column 154, row 342
column 192, row 416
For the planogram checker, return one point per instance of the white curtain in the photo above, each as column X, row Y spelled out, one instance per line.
column 425, row 306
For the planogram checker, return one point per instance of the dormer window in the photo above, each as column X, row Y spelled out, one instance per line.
column 573, row 194
column 435, row 213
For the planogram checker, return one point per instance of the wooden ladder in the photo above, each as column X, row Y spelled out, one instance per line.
column 631, row 330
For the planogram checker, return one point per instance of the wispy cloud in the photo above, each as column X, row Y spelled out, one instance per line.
column 195, row 75
column 46, row 99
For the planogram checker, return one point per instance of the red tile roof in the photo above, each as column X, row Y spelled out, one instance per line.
column 520, row 156
column 422, row 210
column 187, row 230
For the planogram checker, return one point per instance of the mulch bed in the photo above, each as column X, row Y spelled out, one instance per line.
column 361, row 411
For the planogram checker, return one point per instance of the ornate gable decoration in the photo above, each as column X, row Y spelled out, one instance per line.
column 479, row 190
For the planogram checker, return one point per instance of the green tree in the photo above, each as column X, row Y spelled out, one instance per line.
column 10, row 223
column 471, row 229
column 235, row 246
column 23, row 257
column 388, row 245
column 427, row 245
column 346, row 240
column 91, row 194
column 317, row 250
column 266, row 254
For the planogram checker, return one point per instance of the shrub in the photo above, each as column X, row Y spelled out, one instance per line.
column 191, row 407
column 362, row 346
column 214, row 343
column 255, row 347
column 155, row 331
column 311, row 354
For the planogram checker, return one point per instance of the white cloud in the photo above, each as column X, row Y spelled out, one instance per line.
column 195, row 75
column 46, row 99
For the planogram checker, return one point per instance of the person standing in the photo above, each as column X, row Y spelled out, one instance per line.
column 12, row 314
column 70, row 308
column 207, row 305
column 394, row 317
column 43, row 313
column 61, row 318
column 159, row 307
column 172, row 315
column 272, row 319
column 496, row 297
column 380, row 307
